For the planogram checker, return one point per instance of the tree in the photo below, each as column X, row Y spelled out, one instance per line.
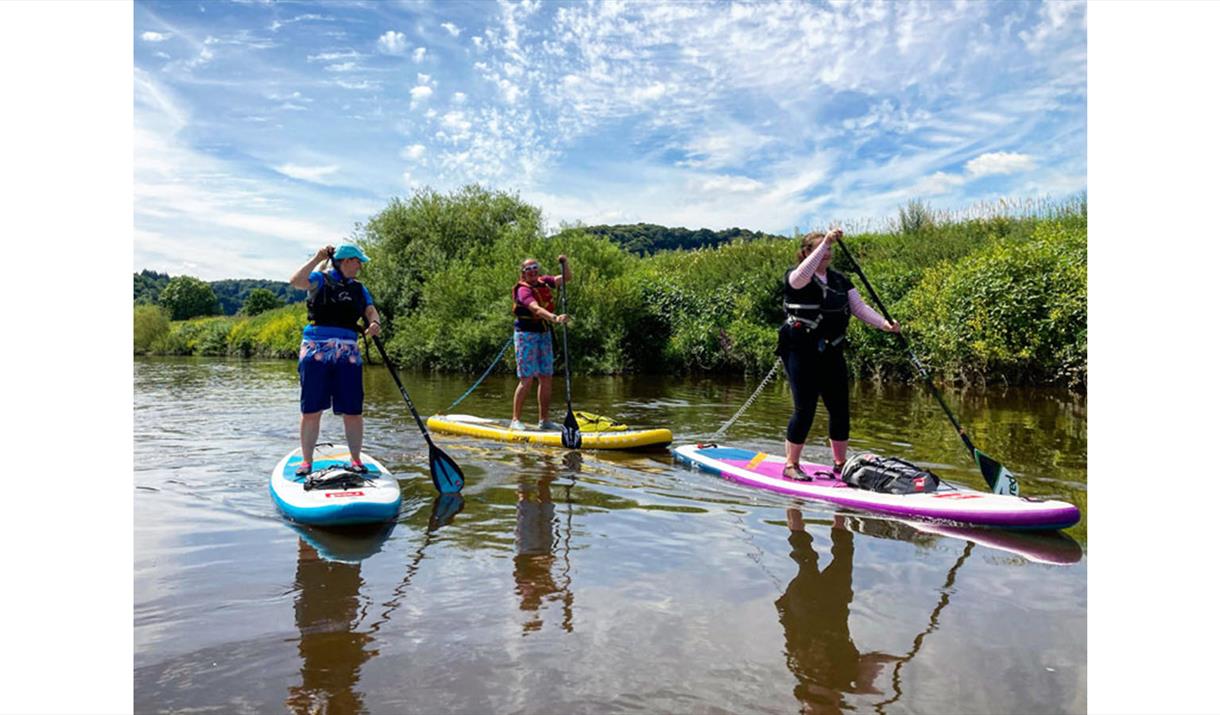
column 260, row 300
column 186, row 297
column 148, row 286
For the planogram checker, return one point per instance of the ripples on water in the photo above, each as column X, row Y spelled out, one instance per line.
column 592, row 582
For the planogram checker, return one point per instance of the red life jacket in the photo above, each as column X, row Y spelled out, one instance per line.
column 525, row 317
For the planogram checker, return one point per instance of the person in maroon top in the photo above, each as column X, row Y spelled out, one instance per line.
column 534, row 310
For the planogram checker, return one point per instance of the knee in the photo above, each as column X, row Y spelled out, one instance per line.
column 526, row 382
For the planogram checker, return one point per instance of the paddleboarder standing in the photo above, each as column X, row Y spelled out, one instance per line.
column 330, row 365
column 819, row 303
column 534, row 313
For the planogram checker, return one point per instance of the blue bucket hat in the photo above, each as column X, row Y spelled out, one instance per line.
column 350, row 250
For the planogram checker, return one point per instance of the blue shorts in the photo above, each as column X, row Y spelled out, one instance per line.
column 331, row 376
column 535, row 357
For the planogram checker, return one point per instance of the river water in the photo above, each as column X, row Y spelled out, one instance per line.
column 569, row 582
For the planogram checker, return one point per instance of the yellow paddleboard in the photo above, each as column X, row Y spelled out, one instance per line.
column 472, row 426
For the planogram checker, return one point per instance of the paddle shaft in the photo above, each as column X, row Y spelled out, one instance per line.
column 906, row 345
column 567, row 372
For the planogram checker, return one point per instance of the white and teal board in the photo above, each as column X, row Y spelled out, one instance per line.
column 375, row 499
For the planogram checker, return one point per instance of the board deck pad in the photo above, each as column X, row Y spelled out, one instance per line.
column 949, row 502
column 320, row 464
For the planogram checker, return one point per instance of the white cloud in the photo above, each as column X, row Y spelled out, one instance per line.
column 341, row 67
column 332, row 56
column 314, row 174
column 456, row 123
column 418, row 55
column 656, row 90
column 413, row 152
column 392, row 43
column 420, row 93
column 459, row 97
column 938, row 183
column 154, row 36
column 363, row 84
column 724, row 146
column 1053, row 18
column 730, row 184
column 999, row 163
column 454, row 30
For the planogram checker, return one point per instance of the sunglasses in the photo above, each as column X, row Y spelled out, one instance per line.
column 530, row 267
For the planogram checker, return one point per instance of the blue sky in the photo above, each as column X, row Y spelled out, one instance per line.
column 266, row 129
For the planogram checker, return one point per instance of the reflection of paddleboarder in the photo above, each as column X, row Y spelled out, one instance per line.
column 327, row 610
column 814, row 614
column 533, row 566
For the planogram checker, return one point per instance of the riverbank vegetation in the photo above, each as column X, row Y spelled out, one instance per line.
column 996, row 296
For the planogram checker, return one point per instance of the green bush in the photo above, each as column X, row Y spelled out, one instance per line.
column 1013, row 311
column 273, row 333
column 186, row 297
column 151, row 325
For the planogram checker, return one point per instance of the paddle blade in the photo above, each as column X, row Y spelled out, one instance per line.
column 998, row 477
column 446, row 474
column 570, row 435
column 444, row 509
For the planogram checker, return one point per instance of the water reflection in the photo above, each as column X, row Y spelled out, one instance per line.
column 328, row 609
column 539, row 576
column 813, row 612
column 332, row 651
column 814, row 608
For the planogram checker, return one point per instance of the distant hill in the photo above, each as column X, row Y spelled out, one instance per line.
column 648, row 238
column 230, row 292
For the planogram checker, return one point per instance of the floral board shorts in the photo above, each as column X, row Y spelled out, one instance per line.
column 331, row 376
column 535, row 357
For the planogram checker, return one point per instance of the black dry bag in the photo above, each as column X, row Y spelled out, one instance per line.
column 889, row 475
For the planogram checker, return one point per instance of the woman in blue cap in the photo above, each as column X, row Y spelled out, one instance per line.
column 330, row 364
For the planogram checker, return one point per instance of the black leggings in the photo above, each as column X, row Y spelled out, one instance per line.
column 810, row 374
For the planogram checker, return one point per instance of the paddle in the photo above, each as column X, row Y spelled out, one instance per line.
column 446, row 474
column 570, row 436
column 997, row 476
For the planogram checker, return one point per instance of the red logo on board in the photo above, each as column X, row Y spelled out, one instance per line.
column 344, row 494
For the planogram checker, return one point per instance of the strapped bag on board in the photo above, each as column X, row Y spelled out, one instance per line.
column 889, row 475
column 589, row 422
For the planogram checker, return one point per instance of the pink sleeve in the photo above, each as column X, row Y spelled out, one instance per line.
column 551, row 281
column 800, row 277
column 861, row 310
column 525, row 296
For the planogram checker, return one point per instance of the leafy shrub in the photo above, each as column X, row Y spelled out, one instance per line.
column 151, row 324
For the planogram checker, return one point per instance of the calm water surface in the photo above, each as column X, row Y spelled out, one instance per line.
column 599, row 581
